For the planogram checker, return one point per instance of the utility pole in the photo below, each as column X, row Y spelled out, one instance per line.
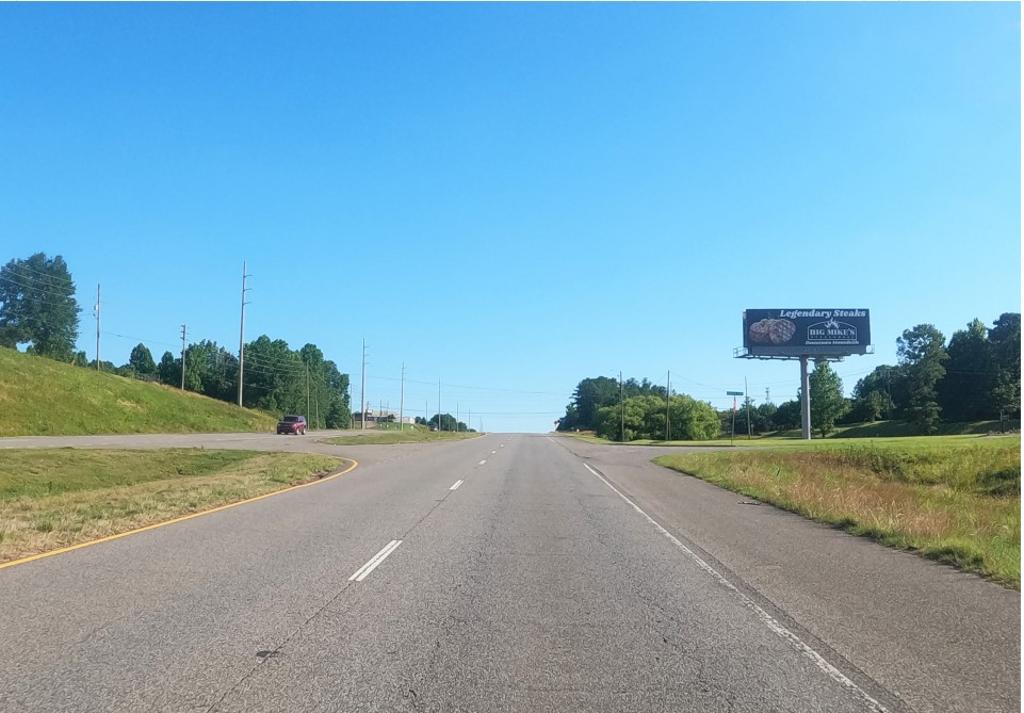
column 241, row 336
column 456, row 416
column 805, row 399
column 316, row 405
column 401, row 403
column 308, row 414
column 426, row 412
column 183, row 332
column 732, row 437
column 747, row 397
column 668, row 402
column 767, row 394
column 97, row 310
column 622, row 413
column 362, row 391
column 439, row 422
column 469, row 419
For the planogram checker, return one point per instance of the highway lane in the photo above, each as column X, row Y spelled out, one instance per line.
column 531, row 585
column 166, row 619
column 943, row 640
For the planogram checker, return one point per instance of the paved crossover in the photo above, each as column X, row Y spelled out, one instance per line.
column 503, row 573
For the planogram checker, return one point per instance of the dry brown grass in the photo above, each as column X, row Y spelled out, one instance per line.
column 31, row 522
column 960, row 505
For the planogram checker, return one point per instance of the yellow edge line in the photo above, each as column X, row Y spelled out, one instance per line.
column 108, row 538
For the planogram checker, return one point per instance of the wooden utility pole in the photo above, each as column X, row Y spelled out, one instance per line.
column 362, row 392
column 401, row 402
column 746, row 395
column 622, row 413
column 668, row 402
column 183, row 333
column 97, row 326
column 241, row 336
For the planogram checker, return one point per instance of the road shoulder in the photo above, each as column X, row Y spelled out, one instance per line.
column 938, row 638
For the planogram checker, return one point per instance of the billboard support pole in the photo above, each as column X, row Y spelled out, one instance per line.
column 805, row 399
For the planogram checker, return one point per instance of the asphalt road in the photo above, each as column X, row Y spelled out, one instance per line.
column 503, row 573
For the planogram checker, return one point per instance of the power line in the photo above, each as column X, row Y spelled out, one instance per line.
column 35, row 288
column 60, row 281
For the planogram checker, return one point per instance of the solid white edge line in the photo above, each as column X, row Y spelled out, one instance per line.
column 482, row 462
column 456, row 485
column 374, row 561
column 771, row 622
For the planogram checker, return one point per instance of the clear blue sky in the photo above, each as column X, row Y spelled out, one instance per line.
column 517, row 197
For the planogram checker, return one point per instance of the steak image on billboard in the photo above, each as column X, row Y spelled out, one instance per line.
column 790, row 332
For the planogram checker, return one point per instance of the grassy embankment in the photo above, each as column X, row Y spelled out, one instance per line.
column 42, row 397
column 954, row 499
column 878, row 429
column 58, row 497
column 392, row 434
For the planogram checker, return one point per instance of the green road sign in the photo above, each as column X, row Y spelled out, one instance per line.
column 734, row 393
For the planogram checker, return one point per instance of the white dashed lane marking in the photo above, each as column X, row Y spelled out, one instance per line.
column 456, row 485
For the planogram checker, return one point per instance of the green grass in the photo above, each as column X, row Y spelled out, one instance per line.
column 42, row 397
column 955, row 499
column 52, row 498
column 878, row 429
column 391, row 436
column 889, row 429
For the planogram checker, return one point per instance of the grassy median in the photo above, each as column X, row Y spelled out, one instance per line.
column 58, row 497
column 953, row 499
column 374, row 437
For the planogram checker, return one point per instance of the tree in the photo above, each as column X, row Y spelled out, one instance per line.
column 644, row 416
column 1004, row 337
column 880, row 394
column 965, row 391
column 922, row 351
column 690, row 419
column 827, row 402
column 764, row 417
column 38, row 307
column 787, row 416
column 169, row 370
column 446, row 420
column 589, row 396
column 141, row 360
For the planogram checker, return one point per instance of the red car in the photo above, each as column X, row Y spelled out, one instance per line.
column 292, row 425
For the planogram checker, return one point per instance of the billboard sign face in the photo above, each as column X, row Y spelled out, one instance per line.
column 797, row 332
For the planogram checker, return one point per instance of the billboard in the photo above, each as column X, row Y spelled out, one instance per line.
column 796, row 332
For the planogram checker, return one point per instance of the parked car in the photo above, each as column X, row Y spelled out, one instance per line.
column 292, row 425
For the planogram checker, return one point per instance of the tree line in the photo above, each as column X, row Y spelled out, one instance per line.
column 38, row 309
column 637, row 410
column 443, row 422
column 973, row 377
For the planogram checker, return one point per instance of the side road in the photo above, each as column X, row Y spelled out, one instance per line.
column 942, row 640
column 313, row 442
column 254, row 441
